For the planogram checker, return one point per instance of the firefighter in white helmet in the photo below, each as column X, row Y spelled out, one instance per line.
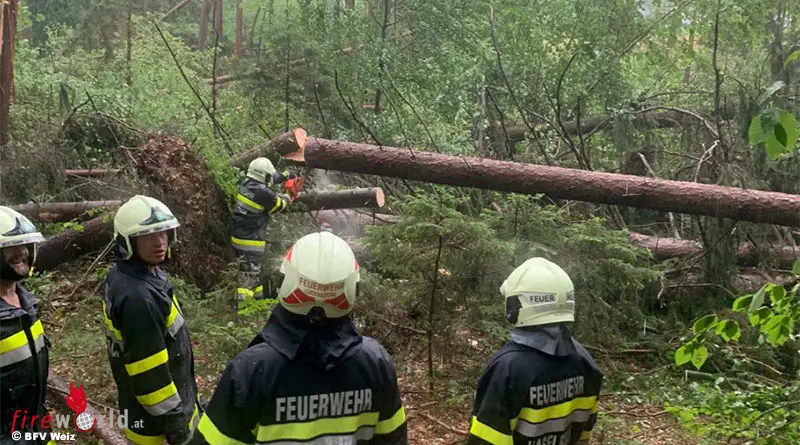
column 149, row 348
column 24, row 355
column 309, row 376
column 542, row 386
column 254, row 205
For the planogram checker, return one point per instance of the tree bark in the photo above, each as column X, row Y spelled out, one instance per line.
column 180, row 5
column 218, row 19
column 61, row 211
column 559, row 183
column 8, row 30
column 239, row 25
column 296, row 136
column 201, row 39
column 345, row 199
column 58, row 388
column 70, row 244
column 746, row 254
column 349, row 222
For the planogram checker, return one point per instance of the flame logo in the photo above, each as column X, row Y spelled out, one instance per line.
column 76, row 399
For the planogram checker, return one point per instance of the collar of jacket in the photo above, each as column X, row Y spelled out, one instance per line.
column 551, row 339
column 137, row 269
column 293, row 336
column 27, row 302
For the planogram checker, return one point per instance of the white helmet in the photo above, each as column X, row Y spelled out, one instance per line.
column 538, row 292
column 261, row 169
column 141, row 215
column 320, row 270
column 16, row 230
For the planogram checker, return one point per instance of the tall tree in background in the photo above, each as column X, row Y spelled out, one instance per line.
column 201, row 41
column 8, row 27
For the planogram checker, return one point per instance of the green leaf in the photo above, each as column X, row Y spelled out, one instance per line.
column 758, row 298
column 742, row 303
column 792, row 57
column 796, row 266
column 684, row 354
column 699, row 356
column 704, row 324
column 778, row 329
column 756, row 133
column 758, row 316
column 787, row 123
column 729, row 330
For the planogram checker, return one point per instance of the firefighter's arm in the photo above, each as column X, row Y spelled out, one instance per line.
column 492, row 411
column 391, row 428
column 143, row 326
column 586, row 434
column 228, row 419
column 271, row 201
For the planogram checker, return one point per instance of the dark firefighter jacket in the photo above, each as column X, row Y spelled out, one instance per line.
column 540, row 388
column 24, row 363
column 254, row 204
column 292, row 386
column 150, row 354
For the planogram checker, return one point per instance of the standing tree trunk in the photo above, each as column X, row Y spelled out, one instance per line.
column 239, row 20
column 8, row 26
column 218, row 19
column 201, row 40
column 129, row 47
column 381, row 64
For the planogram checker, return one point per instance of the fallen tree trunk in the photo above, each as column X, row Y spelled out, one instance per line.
column 92, row 172
column 344, row 199
column 70, row 244
column 746, row 254
column 61, row 211
column 559, row 183
column 348, row 221
column 58, row 388
column 296, row 136
column 746, row 282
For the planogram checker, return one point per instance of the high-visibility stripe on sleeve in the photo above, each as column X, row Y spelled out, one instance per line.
column 19, row 339
column 280, row 204
column 148, row 363
column 213, row 435
column 392, row 423
column 489, row 434
column 249, row 202
column 140, row 439
column 174, row 320
column 248, row 245
column 110, row 325
column 15, row 348
column 160, row 401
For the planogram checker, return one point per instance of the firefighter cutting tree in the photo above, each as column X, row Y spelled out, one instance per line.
column 255, row 203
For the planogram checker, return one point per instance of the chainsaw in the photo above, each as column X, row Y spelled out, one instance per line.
column 293, row 186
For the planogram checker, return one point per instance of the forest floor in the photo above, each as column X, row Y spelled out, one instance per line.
column 74, row 323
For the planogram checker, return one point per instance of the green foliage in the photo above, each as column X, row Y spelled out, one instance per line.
column 776, row 129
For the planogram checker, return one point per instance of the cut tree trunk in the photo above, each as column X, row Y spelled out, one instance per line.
column 294, row 137
column 58, row 388
column 559, row 183
column 746, row 254
column 91, row 173
column 62, row 211
column 349, row 222
column 70, row 244
column 344, row 199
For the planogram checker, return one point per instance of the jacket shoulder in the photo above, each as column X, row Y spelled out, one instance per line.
column 587, row 357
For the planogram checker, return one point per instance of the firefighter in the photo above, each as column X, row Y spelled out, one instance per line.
column 24, row 360
column 255, row 203
column 149, row 348
column 309, row 377
column 542, row 386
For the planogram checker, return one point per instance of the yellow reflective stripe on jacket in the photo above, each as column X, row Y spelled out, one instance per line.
column 110, row 325
column 161, row 400
column 15, row 348
column 147, row 363
column 280, row 204
column 392, row 423
column 141, row 439
column 489, row 434
column 249, row 202
column 560, row 410
column 308, row 430
column 174, row 320
column 213, row 435
column 247, row 244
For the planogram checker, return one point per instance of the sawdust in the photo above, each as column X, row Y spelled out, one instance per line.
column 180, row 177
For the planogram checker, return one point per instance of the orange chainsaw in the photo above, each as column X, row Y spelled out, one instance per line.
column 293, row 186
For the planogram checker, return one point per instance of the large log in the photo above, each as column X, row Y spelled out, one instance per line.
column 58, row 389
column 746, row 254
column 90, row 173
column 297, row 136
column 62, row 211
column 70, row 244
column 560, row 183
column 345, row 199
column 348, row 221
